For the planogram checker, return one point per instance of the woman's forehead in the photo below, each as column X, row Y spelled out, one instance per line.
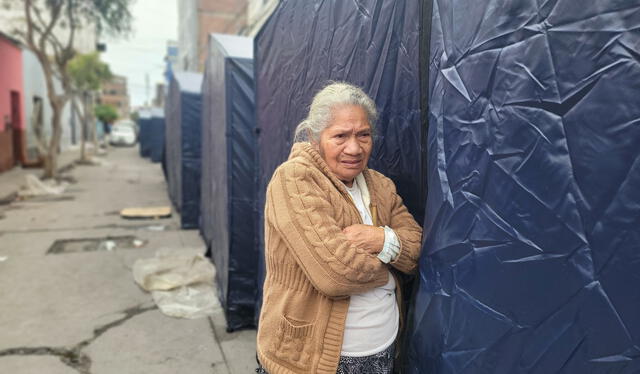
column 348, row 126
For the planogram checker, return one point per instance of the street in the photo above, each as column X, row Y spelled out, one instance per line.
column 79, row 311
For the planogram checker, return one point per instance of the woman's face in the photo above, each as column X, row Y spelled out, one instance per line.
column 346, row 143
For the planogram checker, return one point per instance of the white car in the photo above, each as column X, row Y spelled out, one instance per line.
column 122, row 135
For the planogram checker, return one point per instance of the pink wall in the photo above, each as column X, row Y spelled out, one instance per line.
column 11, row 79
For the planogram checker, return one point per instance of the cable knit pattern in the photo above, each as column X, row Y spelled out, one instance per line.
column 312, row 268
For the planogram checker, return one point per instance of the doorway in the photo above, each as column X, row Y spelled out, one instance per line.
column 16, row 127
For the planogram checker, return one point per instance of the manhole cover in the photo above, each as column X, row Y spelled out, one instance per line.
column 108, row 243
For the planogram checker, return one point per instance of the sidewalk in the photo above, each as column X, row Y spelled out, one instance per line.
column 12, row 180
column 80, row 311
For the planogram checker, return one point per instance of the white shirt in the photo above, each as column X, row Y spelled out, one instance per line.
column 373, row 317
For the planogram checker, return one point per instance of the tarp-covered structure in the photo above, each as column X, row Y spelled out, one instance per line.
column 183, row 129
column 156, row 134
column 228, row 204
column 532, row 258
column 144, row 134
column 373, row 44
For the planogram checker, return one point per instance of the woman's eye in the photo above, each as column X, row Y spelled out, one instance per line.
column 340, row 136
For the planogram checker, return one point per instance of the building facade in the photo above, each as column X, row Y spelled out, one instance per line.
column 198, row 19
column 38, row 110
column 258, row 11
column 116, row 94
column 11, row 104
column 35, row 108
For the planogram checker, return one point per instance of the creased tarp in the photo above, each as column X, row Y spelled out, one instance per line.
column 229, row 174
column 144, row 125
column 373, row 44
column 156, row 135
column 182, row 145
column 532, row 258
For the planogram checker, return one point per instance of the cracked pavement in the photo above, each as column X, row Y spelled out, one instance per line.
column 81, row 312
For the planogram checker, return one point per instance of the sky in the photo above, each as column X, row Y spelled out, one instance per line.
column 142, row 53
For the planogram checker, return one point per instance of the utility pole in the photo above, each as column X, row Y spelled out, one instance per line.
column 147, row 87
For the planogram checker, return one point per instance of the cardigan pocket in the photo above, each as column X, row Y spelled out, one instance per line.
column 293, row 342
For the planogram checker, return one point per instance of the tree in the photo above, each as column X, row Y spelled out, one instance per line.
column 87, row 73
column 55, row 49
column 106, row 113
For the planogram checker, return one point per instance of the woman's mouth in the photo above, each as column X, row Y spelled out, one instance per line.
column 351, row 163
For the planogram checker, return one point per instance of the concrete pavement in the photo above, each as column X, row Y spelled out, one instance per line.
column 81, row 312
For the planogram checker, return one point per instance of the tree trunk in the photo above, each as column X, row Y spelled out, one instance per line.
column 92, row 123
column 83, row 126
column 51, row 157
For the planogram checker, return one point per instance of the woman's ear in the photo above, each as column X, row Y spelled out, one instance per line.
column 315, row 142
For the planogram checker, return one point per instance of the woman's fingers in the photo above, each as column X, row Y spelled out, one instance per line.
column 369, row 238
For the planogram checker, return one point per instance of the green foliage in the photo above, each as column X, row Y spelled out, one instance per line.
column 113, row 16
column 87, row 71
column 106, row 113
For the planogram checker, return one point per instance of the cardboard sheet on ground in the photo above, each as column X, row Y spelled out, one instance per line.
column 146, row 212
column 181, row 284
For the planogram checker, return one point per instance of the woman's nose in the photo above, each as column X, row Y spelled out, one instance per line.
column 352, row 147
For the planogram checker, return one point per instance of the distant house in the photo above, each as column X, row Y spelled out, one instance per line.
column 115, row 93
column 12, row 149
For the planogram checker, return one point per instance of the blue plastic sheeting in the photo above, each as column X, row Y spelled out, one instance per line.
column 144, row 134
column 373, row 44
column 182, row 145
column 532, row 258
column 229, row 174
column 156, row 135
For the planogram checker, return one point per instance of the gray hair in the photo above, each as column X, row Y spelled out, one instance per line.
column 333, row 95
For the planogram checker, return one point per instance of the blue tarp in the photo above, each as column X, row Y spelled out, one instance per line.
column 156, row 135
column 373, row 44
column 229, row 174
column 532, row 258
column 182, row 145
column 144, row 134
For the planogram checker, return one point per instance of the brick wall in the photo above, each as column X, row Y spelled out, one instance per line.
column 219, row 16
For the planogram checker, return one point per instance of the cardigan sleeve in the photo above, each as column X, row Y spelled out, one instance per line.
column 407, row 230
column 304, row 218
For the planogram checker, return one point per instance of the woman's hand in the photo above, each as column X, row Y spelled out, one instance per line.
column 369, row 238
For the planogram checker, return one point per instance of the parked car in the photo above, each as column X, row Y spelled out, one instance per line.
column 122, row 135
column 127, row 122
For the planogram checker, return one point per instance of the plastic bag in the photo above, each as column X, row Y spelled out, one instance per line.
column 36, row 187
column 181, row 284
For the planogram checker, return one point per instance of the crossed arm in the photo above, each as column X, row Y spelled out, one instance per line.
column 337, row 262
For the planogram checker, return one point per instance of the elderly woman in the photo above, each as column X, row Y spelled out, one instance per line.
column 335, row 232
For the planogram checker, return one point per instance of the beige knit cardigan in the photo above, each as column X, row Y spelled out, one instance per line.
column 311, row 266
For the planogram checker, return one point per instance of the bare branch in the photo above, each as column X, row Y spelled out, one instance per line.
column 73, row 24
column 27, row 12
column 55, row 11
column 41, row 22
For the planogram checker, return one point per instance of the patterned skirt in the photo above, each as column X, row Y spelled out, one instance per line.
column 379, row 363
